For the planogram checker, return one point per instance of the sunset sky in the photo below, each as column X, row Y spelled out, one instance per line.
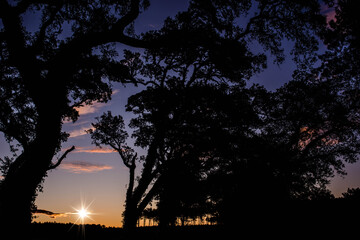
column 96, row 178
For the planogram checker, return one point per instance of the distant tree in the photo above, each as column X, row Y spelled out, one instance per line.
column 303, row 136
column 352, row 194
column 109, row 131
column 336, row 79
column 308, row 136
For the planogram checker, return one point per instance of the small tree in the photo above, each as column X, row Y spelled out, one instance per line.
column 109, row 131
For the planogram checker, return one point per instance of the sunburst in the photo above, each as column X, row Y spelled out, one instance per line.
column 83, row 213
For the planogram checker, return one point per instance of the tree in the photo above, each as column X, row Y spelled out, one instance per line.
column 302, row 137
column 109, row 130
column 352, row 194
column 72, row 65
column 310, row 134
column 337, row 74
column 44, row 76
column 200, row 125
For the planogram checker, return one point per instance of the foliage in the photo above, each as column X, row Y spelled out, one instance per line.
column 352, row 194
column 309, row 134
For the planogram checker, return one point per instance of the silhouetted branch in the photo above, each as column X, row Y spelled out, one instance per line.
column 22, row 6
column 149, row 196
column 113, row 34
column 315, row 141
column 122, row 23
column 252, row 21
column 149, row 82
column 53, row 166
column 126, row 159
column 46, row 24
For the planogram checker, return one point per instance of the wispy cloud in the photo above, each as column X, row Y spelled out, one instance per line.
column 84, row 167
column 93, row 150
column 79, row 132
column 49, row 213
column 115, row 91
column 87, row 109
column 153, row 26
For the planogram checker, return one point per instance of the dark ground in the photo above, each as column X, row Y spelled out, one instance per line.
column 319, row 220
column 61, row 231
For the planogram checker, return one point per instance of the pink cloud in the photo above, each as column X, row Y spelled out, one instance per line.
column 84, row 167
column 328, row 12
column 49, row 213
column 87, row 109
column 114, row 92
column 79, row 132
column 93, row 150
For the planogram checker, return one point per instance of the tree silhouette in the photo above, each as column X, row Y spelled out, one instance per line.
column 200, row 126
column 44, row 76
column 311, row 120
column 109, row 130
column 304, row 134
column 352, row 194
column 47, row 72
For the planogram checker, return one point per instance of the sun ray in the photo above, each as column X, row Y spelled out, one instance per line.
column 83, row 212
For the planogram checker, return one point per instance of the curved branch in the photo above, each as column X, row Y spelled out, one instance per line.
column 129, row 17
column 46, row 24
column 53, row 166
column 149, row 196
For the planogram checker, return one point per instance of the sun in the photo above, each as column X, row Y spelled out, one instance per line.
column 83, row 213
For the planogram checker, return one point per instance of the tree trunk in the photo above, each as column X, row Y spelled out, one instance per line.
column 131, row 217
column 130, row 213
column 15, row 206
column 18, row 193
column 18, row 189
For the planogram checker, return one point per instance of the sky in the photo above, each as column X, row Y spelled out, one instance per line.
column 96, row 178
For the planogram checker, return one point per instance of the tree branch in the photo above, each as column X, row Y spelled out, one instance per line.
column 128, row 163
column 129, row 17
column 251, row 22
column 149, row 196
column 53, row 166
column 46, row 24
column 22, row 6
column 315, row 141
